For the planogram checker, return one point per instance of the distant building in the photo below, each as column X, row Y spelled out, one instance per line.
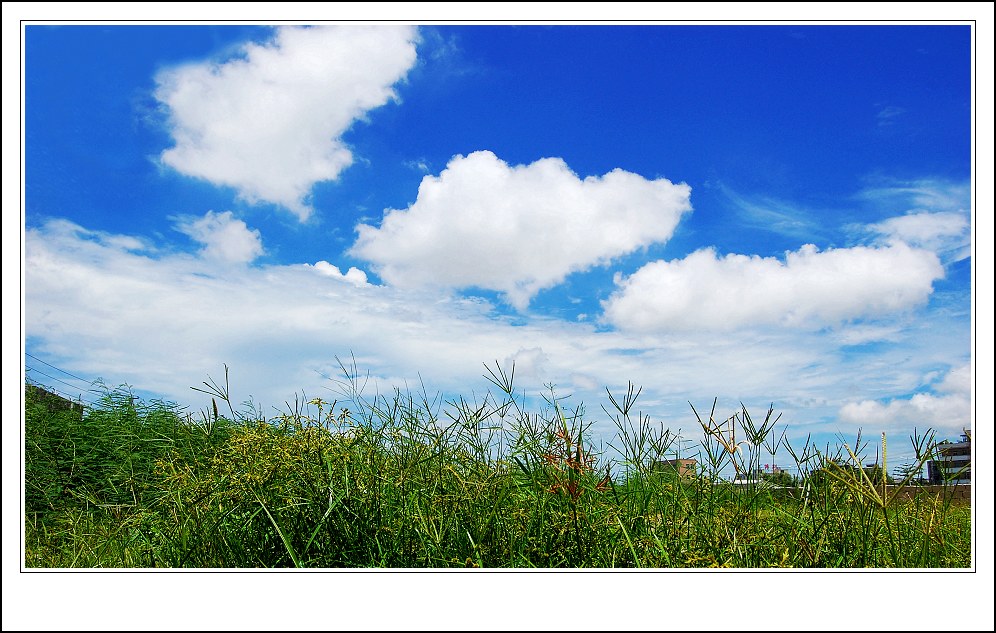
column 954, row 462
column 684, row 467
column 748, row 480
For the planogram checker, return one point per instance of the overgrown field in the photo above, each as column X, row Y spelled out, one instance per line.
column 409, row 481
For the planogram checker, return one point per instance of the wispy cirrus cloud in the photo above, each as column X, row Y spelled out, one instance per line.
column 895, row 196
column 768, row 213
column 887, row 115
column 270, row 122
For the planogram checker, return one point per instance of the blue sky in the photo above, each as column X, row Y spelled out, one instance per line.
column 766, row 214
column 769, row 214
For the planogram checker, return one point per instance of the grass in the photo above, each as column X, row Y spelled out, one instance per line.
column 410, row 481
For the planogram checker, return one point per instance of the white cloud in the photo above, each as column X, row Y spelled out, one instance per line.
column 948, row 412
column 958, row 381
column 353, row 276
column 79, row 238
column 270, row 123
column 517, row 229
column 862, row 333
column 225, row 239
column 925, row 194
column 530, row 363
column 810, row 289
column 927, row 213
column 945, row 232
column 166, row 323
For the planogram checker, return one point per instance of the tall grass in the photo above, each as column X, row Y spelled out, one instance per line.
column 408, row 480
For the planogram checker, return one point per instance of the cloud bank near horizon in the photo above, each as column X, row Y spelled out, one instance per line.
column 172, row 318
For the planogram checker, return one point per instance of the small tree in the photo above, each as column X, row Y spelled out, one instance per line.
column 909, row 473
column 780, row 478
column 875, row 474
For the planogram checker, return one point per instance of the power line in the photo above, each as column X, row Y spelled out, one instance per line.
column 75, row 388
column 56, row 368
column 32, row 369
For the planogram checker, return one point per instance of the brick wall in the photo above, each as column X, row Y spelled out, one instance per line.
column 958, row 493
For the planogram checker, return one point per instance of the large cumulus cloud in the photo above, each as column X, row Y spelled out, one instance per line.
column 518, row 229
column 270, row 122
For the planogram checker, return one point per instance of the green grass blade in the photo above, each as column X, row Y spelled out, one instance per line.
column 287, row 544
column 636, row 559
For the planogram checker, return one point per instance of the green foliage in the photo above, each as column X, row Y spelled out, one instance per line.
column 780, row 478
column 409, row 481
